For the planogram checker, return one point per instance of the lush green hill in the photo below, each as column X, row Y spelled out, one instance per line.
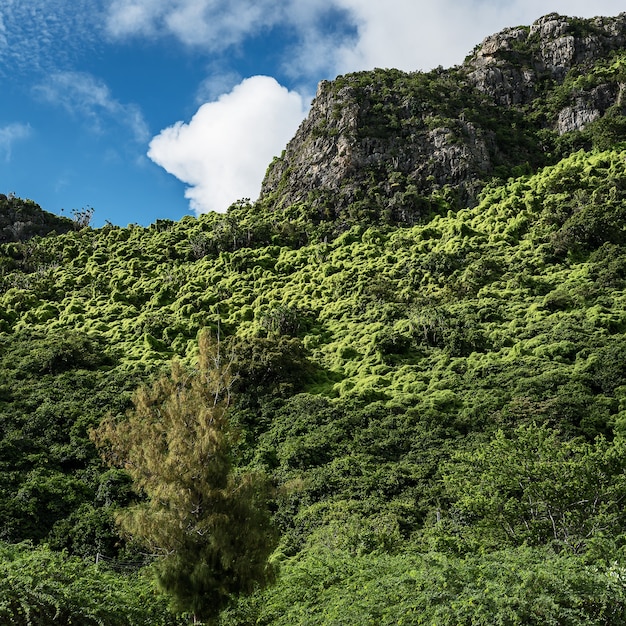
column 441, row 402
column 374, row 369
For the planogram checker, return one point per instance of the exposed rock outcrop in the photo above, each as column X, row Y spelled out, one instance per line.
column 22, row 219
column 397, row 143
column 510, row 65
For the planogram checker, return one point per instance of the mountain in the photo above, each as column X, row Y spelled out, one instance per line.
column 393, row 147
column 425, row 314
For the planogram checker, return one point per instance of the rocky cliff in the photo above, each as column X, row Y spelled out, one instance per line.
column 395, row 147
column 22, row 219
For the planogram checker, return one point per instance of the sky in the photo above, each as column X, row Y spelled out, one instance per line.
column 155, row 109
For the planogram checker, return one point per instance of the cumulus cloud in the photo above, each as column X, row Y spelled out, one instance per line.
column 86, row 96
column 222, row 153
column 11, row 133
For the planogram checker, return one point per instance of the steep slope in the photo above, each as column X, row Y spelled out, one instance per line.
column 395, row 147
column 367, row 365
column 438, row 390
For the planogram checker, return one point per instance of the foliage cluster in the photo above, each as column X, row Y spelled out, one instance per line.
column 39, row 587
column 428, row 400
column 523, row 586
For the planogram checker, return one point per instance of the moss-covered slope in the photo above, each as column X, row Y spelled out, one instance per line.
column 367, row 364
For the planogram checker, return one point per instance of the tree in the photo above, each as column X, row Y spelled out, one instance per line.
column 535, row 487
column 208, row 522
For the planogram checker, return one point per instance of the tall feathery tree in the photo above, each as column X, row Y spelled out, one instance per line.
column 208, row 522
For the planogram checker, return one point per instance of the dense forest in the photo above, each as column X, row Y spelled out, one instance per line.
column 429, row 377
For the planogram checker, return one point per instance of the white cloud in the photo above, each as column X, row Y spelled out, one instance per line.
column 40, row 34
column 11, row 133
column 4, row 41
column 134, row 17
column 421, row 35
column 405, row 34
column 84, row 95
column 222, row 153
column 212, row 24
column 412, row 36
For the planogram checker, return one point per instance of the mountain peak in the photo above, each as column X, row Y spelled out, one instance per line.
column 396, row 147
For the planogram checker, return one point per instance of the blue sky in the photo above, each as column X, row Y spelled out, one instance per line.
column 149, row 109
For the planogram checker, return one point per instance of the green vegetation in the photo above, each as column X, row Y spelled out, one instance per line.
column 440, row 407
column 209, row 524
column 40, row 587
column 417, row 404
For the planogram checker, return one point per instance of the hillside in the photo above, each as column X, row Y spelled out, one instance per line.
column 427, row 324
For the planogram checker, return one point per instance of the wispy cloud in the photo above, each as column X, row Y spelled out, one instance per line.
column 216, row 84
column 335, row 36
column 212, row 24
column 40, row 34
column 86, row 96
column 331, row 36
column 222, row 153
column 11, row 133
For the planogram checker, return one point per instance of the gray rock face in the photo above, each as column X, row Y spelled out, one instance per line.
column 553, row 45
column 587, row 107
column 332, row 155
column 389, row 138
column 323, row 150
column 22, row 219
